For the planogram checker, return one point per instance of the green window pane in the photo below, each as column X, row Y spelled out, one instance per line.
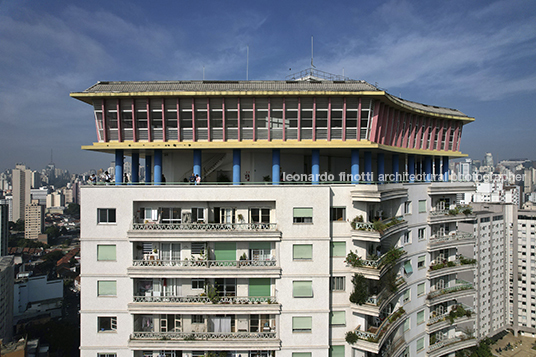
column 259, row 287
column 406, row 324
column 420, row 289
column 106, row 252
column 260, row 245
column 106, row 288
column 302, row 288
column 407, row 267
column 422, row 206
column 338, row 249
column 302, row 251
column 336, row 351
column 225, row 251
column 303, row 212
column 302, row 323
column 406, row 294
column 338, row 318
column 420, row 343
column 421, row 259
column 301, row 354
column 420, row 317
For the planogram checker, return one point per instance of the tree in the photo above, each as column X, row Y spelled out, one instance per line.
column 73, row 209
column 17, row 226
column 52, row 232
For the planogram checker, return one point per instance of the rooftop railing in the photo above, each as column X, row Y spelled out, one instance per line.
column 204, row 263
column 192, row 336
column 198, row 299
column 154, row 226
column 460, row 285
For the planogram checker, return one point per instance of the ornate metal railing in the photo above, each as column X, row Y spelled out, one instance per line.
column 207, row 300
column 448, row 341
column 451, row 237
column 364, row 226
column 443, row 317
column 192, row 336
column 382, row 329
column 204, row 226
column 204, row 263
column 460, row 285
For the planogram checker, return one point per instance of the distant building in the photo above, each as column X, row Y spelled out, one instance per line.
column 4, row 228
column 40, row 194
column 488, row 160
column 37, row 296
column 55, row 199
column 9, row 202
column 22, row 184
column 34, row 221
column 6, row 298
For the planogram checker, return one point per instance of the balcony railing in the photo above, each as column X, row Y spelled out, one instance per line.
column 447, row 342
column 153, row 226
column 192, row 336
column 382, row 329
column 207, row 300
column 204, row 263
column 451, row 237
column 460, row 285
column 454, row 315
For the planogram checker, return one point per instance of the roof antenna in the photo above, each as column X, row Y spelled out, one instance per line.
column 312, row 65
column 247, row 63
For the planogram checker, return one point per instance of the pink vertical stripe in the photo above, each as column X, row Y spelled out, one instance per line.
column 374, row 124
column 119, row 118
column 178, row 121
column 104, row 123
column 358, row 119
column 455, row 139
column 254, row 116
column 329, row 119
column 418, row 143
column 238, row 115
column 426, row 133
column 193, row 120
column 223, row 127
column 314, row 118
column 447, row 135
column 284, row 120
column 432, row 135
column 412, row 133
column 134, row 124
column 459, row 136
column 406, row 131
column 164, row 126
column 208, row 119
column 148, row 106
column 440, row 126
column 269, row 119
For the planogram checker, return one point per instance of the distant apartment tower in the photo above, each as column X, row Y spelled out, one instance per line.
column 4, row 228
column 23, row 180
column 34, row 220
column 55, row 199
column 9, row 202
column 6, row 298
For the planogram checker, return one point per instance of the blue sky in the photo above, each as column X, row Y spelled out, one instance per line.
column 476, row 56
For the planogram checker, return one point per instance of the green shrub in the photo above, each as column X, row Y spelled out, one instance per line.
column 351, row 337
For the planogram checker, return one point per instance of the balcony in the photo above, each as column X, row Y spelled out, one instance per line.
column 451, row 240
column 461, row 289
column 455, row 214
column 459, row 314
column 204, row 268
column 205, row 304
column 451, row 267
column 376, row 303
column 205, row 340
column 376, row 231
column 375, row 268
column 373, row 339
column 205, row 230
column 450, row 345
column 379, row 193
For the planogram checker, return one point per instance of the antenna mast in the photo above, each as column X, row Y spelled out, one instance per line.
column 247, row 63
column 312, row 65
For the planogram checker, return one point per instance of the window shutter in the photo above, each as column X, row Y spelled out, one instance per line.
column 302, row 289
column 302, row 251
column 106, row 252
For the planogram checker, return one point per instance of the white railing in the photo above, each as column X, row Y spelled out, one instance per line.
column 204, row 226
column 191, row 336
column 451, row 237
column 443, row 317
column 204, row 263
column 460, row 285
column 207, row 300
column 446, row 342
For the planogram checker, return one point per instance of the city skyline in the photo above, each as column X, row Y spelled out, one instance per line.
column 477, row 57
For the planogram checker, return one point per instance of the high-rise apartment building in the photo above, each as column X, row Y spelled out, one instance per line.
column 23, row 180
column 4, row 228
column 34, row 220
column 6, row 298
column 324, row 223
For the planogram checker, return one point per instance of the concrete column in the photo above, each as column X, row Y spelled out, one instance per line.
column 381, row 167
column 236, row 166
column 368, row 166
column 395, row 158
column 197, row 162
column 411, row 168
column 315, row 166
column 428, row 168
column 118, row 167
column 355, row 166
column 148, row 169
column 437, row 168
column 445, row 168
column 276, row 167
column 135, row 165
column 157, row 166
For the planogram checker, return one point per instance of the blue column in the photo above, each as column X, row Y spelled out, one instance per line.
column 445, row 168
column 411, row 168
column 368, row 166
column 355, row 166
column 428, row 168
column 158, row 166
column 236, row 166
column 396, row 167
column 118, row 167
column 381, row 167
column 148, row 168
column 197, row 162
column 315, row 166
column 437, row 169
column 135, row 165
column 276, row 167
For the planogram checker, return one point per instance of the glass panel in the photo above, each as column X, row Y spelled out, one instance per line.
column 106, row 252
column 338, row 318
column 259, row 287
column 302, row 251
column 338, row 249
column 302, row 323
column 303, row 212
column 302, row 288
column 106, row 288
column 225, row 251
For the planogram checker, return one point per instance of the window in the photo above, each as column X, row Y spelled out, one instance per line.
column 302, row 251
column 407, row 296
column 106, row 215
column 149, row 214
column 420, row 344
column 198, row 248
column 336, row 351
column 420, row 317
column 422, row 233
column 260, row 215
column 302, row 324
column 338, row 318
column 198, row 215
column 408, row 269
column 422, row 206
column 420, row 289
column 338, row 249
column 406, row 324
column 302, row 289
column 171, row 215
column 108, row 323
column 421, row 260
column 338, row 214
column 407, row 207
column 406, row 238
column 106, row 252
column 198, row 283
column 106, row 354
column 198, row 319
column 106, row 288
column 337, row 283
column 301, row 354
column 303, row 215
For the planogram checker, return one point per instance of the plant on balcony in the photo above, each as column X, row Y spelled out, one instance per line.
column 389, row 280
column 351, row 337
column 467, row 261
column 357, row 219
column 360, row 294
column 437, row 266
column 467, row 211
column 392, row 255
column 189, row 337
column 457, row 312
column 212, row 293
column 454, row 212
column 240, row 217
column 354, row 260
column 379, row 226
